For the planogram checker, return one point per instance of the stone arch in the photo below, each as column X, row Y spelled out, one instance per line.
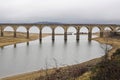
column 73, row 29
column 107, row 31
column 8, row 27
column 96, row 31
column 59, row 30
column 8, row 30
column 34, row 30
column 117, row 29
column 64, row 27
column 108, row 28
column 46, row 31
column 100, row 28
column 21, row 31
column 83, row 30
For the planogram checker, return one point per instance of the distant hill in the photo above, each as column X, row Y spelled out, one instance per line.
column 48, row 22
column 44, row 22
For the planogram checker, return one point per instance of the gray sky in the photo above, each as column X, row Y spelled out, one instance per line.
column 66, row 11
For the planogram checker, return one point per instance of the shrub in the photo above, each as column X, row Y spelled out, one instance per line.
column 107, row 70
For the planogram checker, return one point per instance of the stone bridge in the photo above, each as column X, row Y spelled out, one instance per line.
column 77, row 27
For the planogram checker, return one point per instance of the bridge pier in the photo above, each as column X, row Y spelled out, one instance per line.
column 77, row 35
column 2, row 33
column 15, row 33
column 101, row 34
column 53, row 34
column 40, row 34
column 27, row 34
column 65, row 35
column 89, row 35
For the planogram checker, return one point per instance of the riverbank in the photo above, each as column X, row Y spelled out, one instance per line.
column 84, row 71
column 67, row 71
column 114, row 42
column 89, row 75
column 8, row 38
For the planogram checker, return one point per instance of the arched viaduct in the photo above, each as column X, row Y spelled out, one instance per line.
column 77, row 27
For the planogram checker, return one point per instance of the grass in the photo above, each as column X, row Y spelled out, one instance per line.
column 69, row 73
column 107, row 70
column 8, row 38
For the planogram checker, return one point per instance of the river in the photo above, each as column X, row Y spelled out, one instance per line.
column 35, row 56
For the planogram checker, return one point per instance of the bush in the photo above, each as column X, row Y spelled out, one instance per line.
column 108, row 70
column 117, row 52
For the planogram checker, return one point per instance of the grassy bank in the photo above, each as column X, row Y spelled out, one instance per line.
column 8, row 38
column 108, row 69
column 114, row 42
column 105, row 70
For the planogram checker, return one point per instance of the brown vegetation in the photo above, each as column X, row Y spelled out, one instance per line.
column 8, row 38
column 114, row 42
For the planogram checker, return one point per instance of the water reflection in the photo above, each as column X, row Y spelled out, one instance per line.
column 30, row 56
column 27, row 43
column 40, row 41
column 2, row 47
column 53, row 42
column 14, row 45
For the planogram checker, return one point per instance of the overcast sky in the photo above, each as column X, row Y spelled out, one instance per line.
column 65, row 11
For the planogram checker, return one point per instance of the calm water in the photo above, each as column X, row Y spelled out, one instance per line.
column 34, row 57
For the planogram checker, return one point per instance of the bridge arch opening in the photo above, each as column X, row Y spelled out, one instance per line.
column 59, row 31
column 117, row 29
column 83, row 32
column 46, row 31
column 107, row 29
column 95, row 32
column 71, row 31
column 21, row 32
column 8, row 31
column 34, row 31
